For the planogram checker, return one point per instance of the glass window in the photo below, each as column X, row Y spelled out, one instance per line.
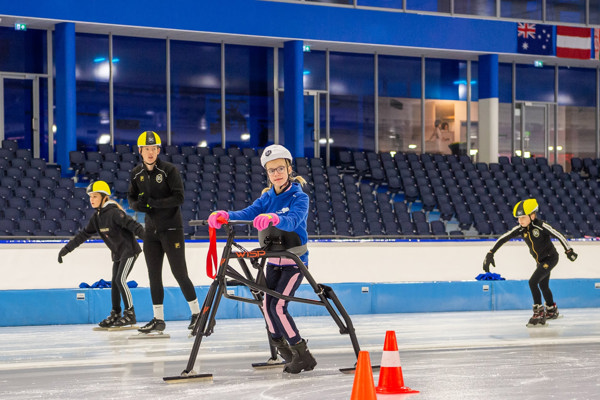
column 315, row 74
column 524, row 10
column 195, row 94
column 429, row 5
column 476, row 7
column 566, row 11
column 595, row 12
column 505, row 83
column 535, row 84
column 380, row 3
column 352, row 113
column 577, row 87
column 505, row 110
column 92, row 72
column 23, row 51
column 249, row 95
column 445, row 86
column 348, row 2
column 140, row 103
column 399, row 104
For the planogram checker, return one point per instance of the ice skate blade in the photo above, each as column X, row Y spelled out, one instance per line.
column 352, row 370
column 270, row 364
column 191, row 377
column 122, row 328
column 537, row 325
column 152, row 335
column 99, row 328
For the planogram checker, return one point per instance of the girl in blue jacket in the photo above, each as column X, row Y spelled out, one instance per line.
column 282, row 210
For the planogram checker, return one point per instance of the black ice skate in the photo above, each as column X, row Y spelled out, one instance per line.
column 127, row 321
column 152, row 330
column 552, row 311
column 539, row 317
column 193, row 321
column 302, row 360
column 109, row 321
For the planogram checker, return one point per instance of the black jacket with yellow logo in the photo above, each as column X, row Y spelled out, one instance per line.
column 538, row 236
column 163, row 188
column 117, row 230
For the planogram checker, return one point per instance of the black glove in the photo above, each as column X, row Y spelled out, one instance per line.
column 141, row 233
column 571, row 255
column 63, row 252
column 143, row 199
column 489, row 259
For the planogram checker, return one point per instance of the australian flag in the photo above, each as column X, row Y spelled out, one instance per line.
column 535, row 39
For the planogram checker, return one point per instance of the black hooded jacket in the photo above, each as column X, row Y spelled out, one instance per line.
column 117, row 230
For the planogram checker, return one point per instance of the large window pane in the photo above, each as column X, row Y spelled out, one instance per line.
column 445, row 85
column 352, row 111
column 505, row 133
column 535, row 84
column 195, row 94
column 566, row 11
column 92, row 72
column 399, row 104
column 429, row 5
column 23, row 51
column 381, row 3
column 595, row 12
column 249, row 95
column 139, row 67
column 476, row 7
column 525, row 10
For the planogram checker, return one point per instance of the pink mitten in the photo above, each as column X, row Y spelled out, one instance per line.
column 213, row 219
column 262, row 221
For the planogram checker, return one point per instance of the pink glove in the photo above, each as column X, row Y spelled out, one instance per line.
column 263, row 221
column 213, row 219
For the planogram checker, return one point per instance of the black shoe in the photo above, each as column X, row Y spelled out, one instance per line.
column 302, row 360
column 155, row 325
column 539, row 316
column 283, row 349
column 127, row 319
column 110, row 320
column 551, row 311
column 193, row 321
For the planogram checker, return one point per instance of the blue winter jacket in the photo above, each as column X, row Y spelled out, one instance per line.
column 291, row 206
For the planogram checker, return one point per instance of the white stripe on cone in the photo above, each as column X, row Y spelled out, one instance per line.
column 390, row 359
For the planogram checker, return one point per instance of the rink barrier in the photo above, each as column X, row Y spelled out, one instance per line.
column 87, row 306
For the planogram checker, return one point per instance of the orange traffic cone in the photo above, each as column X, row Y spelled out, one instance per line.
column 390, row 374
column 364, row 386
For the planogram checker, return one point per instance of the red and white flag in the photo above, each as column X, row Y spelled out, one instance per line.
column 596, row 43
column 573, row 42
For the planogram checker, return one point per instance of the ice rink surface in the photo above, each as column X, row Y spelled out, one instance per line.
column 463, row 355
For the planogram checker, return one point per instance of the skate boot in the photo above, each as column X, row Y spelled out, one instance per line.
column 193, row 321
column 539, row 317
column 302, row 360
column 551, row 311
column 128, row 318
column 110, row 320
column 283, row 349
column 155, row 325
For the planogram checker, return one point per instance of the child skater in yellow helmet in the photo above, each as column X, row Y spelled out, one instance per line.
column 118, row 231
column 537, row 235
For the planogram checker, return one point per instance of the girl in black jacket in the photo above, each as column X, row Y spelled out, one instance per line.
column 118, row 231
column 537, row 234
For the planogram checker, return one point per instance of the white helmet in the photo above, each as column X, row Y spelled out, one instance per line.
column 274, row 152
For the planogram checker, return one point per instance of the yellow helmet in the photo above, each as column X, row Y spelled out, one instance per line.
column 98, row 187
column 525, row 207
column 148, row 138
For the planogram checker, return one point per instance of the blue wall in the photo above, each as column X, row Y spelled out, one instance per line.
column 62, row 306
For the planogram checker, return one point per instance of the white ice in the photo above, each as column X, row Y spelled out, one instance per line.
column 463, row 355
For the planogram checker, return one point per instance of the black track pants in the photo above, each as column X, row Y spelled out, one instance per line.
column 539, row 283
column 119, row 289
column 171, row 243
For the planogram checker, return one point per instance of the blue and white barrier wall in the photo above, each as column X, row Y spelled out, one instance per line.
column 368, row 277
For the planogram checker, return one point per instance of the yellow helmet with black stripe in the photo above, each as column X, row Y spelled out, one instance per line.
column 148, row 138
column 98, row 187
column 525, row 207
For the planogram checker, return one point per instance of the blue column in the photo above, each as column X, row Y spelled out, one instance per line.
column 293, row 61
column 488, row 108
column 65, row 100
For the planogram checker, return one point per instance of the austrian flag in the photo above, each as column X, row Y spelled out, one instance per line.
column 573, row 42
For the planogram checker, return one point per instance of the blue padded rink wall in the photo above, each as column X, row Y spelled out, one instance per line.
column 460, row 339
